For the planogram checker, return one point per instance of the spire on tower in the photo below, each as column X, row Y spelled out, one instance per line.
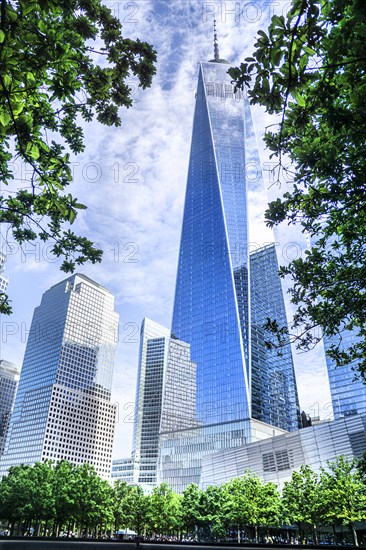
column 216, row 58
column 216, row 44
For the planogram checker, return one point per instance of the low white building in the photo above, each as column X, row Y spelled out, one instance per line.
column 275, row 458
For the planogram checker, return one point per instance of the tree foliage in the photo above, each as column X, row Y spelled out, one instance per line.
column 63, row 497
column 63, row 63
column 344, row 491
column 310, row 69
column 252, row 503
column 211, row 519
column 191, row 507
column 302, row 500
column 136, row 508
column 163, row 514
column 57, row 496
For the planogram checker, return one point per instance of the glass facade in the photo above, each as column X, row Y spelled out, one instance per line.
column 182, row 451
column 348, row 392
column 274, row 392
column 165, row 397
column 154, row 345
column 9, row 377
column 3, row 280
column 211, row 308
column 123, row 469
column 242, row 394
column 180, row 389
column 63, row 409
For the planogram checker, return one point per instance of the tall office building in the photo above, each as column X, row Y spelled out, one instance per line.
column 154, row 347
column 180, row 389
column 212, row 307
column 165, row 397
column 9, row 377
column 274, row 392
column 62, row 408
column 3, row 280
column 347, row 391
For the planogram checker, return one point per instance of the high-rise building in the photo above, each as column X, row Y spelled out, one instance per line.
column 62, row 408
column 165, row 398
column 180, row 388
column 347, row 390
column 3, row 280
column 212, row 307
column 123, row 469
column 274, row 392
column 154, row 347
column 9, row 377
column 235, row 377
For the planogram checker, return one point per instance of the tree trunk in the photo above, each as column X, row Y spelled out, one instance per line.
column 354, row 533
column 256, row 533
column 238, row 534
column 334, row 534
column 45, row 527
column 315, row 535
column 300, row 533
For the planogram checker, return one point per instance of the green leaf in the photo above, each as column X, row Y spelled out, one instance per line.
column 279, row 21
column 300, row 100
column 5, row 118
column 72, row 216
column 34, row 152
column 309, row 50
column 7, row 80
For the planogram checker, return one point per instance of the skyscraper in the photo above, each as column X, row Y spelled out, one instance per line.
column 154, row 347
column 212, row 307
column 347, row 391
column 9, row 377
column 62, row 408
column 165, row 396
column 3, row 280
column 274, row 392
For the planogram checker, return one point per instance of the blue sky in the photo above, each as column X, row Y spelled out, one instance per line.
column 133, row 180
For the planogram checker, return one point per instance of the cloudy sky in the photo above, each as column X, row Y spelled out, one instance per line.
column 133, row 180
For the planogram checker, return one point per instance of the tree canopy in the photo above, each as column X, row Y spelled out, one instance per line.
column 344, row 494
column 63, row 63
column 52, row 499
column 310, row 70
column 303, row 501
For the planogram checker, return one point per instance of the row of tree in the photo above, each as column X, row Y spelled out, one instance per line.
column 50, row 499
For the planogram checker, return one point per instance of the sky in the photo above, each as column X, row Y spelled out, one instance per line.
column 133, row 179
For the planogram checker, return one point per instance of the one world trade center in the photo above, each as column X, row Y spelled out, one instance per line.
column 213, row 306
